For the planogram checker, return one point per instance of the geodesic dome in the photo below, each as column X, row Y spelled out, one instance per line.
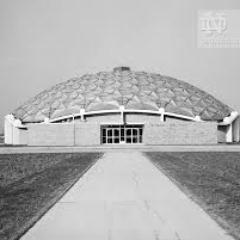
column 122, row 87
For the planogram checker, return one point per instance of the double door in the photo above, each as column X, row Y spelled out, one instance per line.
column 121, row 134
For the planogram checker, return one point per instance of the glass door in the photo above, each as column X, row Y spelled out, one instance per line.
column 115, row 134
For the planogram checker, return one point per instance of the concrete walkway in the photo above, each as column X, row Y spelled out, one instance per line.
column 123, row 196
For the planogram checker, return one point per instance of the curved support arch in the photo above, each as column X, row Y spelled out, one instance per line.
column 82, row 114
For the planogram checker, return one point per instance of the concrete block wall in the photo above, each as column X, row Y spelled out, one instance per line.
column 141, row 118
column 174, row 119
column 87, row 134
column 22, row 136
column 131, row 118
column 180, row 133
column 57, row 134
column 109, row 118
column 64, row 134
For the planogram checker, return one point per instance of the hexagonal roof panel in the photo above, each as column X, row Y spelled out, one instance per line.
column 110, row 90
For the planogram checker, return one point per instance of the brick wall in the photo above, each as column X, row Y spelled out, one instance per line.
column 180, row 133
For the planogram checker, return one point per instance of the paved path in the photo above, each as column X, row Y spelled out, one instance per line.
column 123, row 196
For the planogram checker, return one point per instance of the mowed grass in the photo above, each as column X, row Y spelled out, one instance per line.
column 31, row 183
column 212, row 179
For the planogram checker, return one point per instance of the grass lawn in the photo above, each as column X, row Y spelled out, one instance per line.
column 212, row 179
column 31, row 183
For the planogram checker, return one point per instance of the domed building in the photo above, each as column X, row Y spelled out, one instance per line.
column 122, row 107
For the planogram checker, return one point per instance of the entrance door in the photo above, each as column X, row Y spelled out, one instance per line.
column 115, row 134
column 109, row 135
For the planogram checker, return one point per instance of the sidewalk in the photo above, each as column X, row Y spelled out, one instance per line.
column 123, row 196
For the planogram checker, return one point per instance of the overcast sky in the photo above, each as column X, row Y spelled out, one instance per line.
column 44, row 42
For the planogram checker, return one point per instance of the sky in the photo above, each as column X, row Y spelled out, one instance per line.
column 44, row 42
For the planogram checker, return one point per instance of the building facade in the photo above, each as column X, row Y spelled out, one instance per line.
column 122, row 107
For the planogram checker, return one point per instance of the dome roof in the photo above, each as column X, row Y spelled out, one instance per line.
column 110, row 90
